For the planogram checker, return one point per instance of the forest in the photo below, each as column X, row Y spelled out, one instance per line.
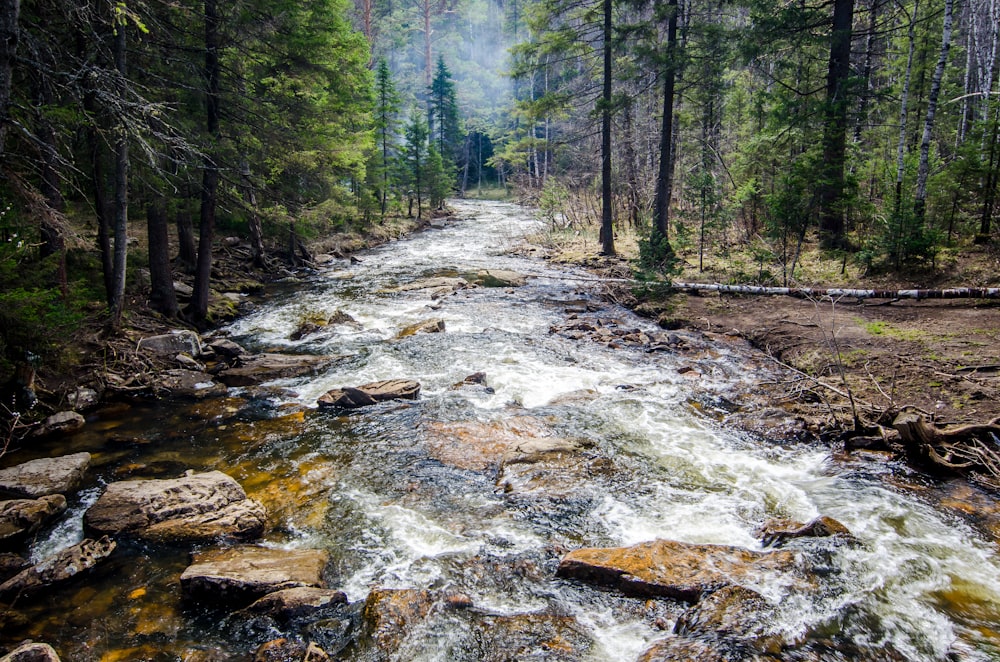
column 871, row 127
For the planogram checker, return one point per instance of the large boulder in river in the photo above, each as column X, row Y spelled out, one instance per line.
column 262, row 368
column 45, row 476
column 499, row 278
column 31, row 652
column 290, row 603
column 22, row 517
column 195, row 507
column 426, row 326
column 58, row 568
column 350, row 397
column 241, row 575
column 61, row 423
column 666, row 568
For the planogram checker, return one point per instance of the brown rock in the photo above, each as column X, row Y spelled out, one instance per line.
column 391, row 614
column 523, row 636
column 195, row 507
column 427, row 326
column 193, row 384
column 734, row 612
column 777, row 531
column 240, row 575
column 62, row 423
column 21, row 517
column 679, row 649
column 665, row 568
column 368, row 394
column 45, row 476
column 500, row 278
column 11, row 564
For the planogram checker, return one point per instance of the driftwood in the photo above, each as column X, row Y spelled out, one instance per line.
column 817, row 292
column 967, row 448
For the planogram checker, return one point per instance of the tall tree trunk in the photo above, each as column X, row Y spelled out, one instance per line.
column 866, row 71
column 901, row 144
column 831, row 185
column 923, row 166
column 187, row 253
column 990, row 187
column 161, row 281
column 9, row 15
column 253, row 218
column 607, row 220
column 116, row 302
column 664, row 179
column 210, row 172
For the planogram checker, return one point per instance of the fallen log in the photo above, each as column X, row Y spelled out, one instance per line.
column 833, row 292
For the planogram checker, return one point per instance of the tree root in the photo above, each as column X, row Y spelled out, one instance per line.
column 967, row 449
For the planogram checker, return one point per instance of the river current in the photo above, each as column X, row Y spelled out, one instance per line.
column 399, row 499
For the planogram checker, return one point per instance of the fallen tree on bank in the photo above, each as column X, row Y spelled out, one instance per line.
column 966, row 449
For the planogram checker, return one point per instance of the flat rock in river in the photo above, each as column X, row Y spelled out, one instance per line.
column 350, row 397
column 183, row 383
column 240, row 575
column 61, row 566
column 31, row 652
column 195, row 507
column 666, row 568
column 45, row 476
column 262, row 368
column 499, row 278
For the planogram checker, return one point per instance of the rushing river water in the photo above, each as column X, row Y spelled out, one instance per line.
column 412, row 495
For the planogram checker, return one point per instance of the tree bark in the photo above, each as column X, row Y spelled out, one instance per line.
column 116, row 301
column 831, row 185
column 9, row 15
column 253, row 218
column 923, row 166
column 162, row 296
column 210, row 171
column 664, row 179
column 607, row 220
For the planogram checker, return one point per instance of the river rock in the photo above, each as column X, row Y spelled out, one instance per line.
column 427, row 326
column 666, row 568
column 227, row 349
column 179, row 341
column 499, row 278
column 776, row 532
column 11, row 564
column 62, row 423
column 368, row 394
column 285, row 650
column 390, row 615
column 290, row 603
column 734, row 612
column 31, row 652
column 193, row 384
column 262, row 368
column 437, row 287
column 241, row 575
column 45, row 476
column 59, row 567
column 83, row 398
column 680, row 649
column 195, row 507
column 21, row 517
column 524, row 636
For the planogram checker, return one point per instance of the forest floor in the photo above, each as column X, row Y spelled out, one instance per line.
column 939, row 356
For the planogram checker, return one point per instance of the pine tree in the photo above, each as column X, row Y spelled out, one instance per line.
column 386, row 109
column 443, row 125
column 415, row 160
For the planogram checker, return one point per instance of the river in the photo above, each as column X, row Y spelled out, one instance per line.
column 412, row 495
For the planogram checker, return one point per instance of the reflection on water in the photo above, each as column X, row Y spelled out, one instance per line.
column 416, row 494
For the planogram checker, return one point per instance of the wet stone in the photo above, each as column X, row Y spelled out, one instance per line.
column 670, row 569
column 241, row 575
column 62, row 423
column 58, row 568
column 180, row 341
column 390, row 615
column 525, row 636
column 183, row 383
column 22, row 517
column 368, row 394
column 680, row 649
column 262, row 368
column 426, row 326
column 735, row 612
column 45, row 476
column 295, row 602
column 194, row 507
column 776, row 532
column 31, row 652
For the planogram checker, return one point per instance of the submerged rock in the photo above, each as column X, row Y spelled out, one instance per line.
column 426, row 326
column 183, row 383
column 262, row 368
column 64, row 422
column 59, row 567
column 241, row 575
column 350, row 397
column 499, row 278
column 733, row 612
column 22, row 517
column 294, row 602
column 31, row 652
column 45, row 476
column 776, row 532
column 530, row 637
column 665, row 568
column 390, row 615
column 680, row 649
column 284, row 650
column 195, row 507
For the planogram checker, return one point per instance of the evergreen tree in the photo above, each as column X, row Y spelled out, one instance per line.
column 386, row 109
column 415, row 160
column 443, row 125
